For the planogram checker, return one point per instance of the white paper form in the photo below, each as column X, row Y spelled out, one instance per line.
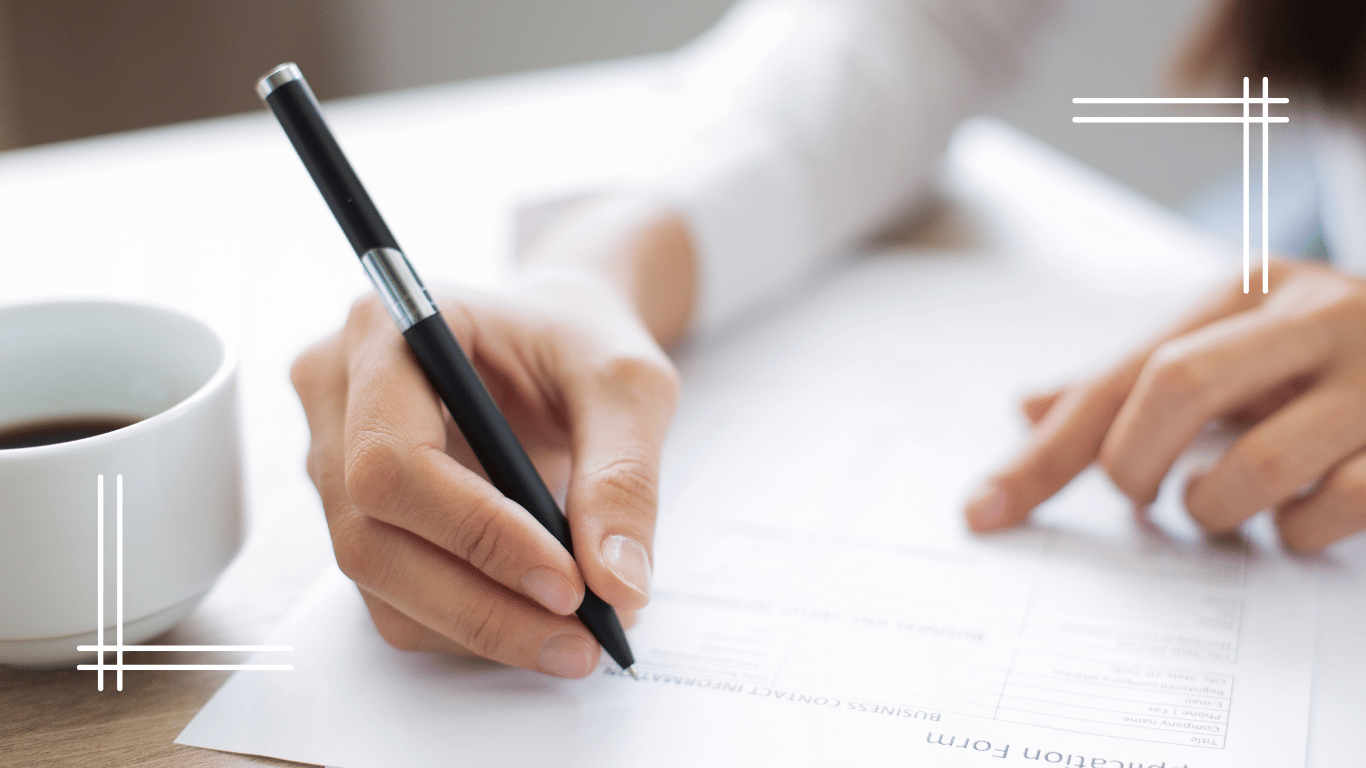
column 848, row 588
column 816, row 596
column 817, row 600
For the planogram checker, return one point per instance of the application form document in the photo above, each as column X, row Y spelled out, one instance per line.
column 817, row 599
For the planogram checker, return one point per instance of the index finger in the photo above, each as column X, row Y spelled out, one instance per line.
column 397, row 471
column 1069, row 436
column 619, row 419
column 1064, row 442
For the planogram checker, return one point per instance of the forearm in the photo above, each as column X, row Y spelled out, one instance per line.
column 821, row 123
column 638, row 246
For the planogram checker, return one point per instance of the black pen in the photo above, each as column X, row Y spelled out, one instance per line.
column 447, row 368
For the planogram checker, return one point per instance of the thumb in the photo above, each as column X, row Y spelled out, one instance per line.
column 618, row 418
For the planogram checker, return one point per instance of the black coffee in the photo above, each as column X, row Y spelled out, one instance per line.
column 49, row 431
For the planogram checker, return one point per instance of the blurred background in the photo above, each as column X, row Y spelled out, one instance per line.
column 76, row 68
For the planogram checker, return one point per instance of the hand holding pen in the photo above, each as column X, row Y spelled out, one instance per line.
column 446, row 560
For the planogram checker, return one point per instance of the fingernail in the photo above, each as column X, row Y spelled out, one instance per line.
column 551, row 590
column 987, row 507
column 628, row 560
column 566, row 656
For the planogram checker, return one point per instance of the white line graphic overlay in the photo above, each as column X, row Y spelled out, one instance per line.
column 1266, row 184
column 1246, row 234
column 196, row 648
column 118, row 648
column 190, row 667
column 1247, row 119
column 1179, row 119
column 99, row 577
column 118, row 558
column 1220, row 100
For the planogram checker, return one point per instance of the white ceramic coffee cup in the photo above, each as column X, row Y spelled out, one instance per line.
column 181, row 468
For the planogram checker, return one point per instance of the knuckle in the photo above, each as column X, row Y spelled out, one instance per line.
column 313, row 466
column 400, row 633
column 1113, row 463
column 1108, row 391
column 1344, row 304
column 641, row 379
column 324, row 469
column 359, row 555
column 365, row 310
column 374, row 473
column 1135, row 487
column 310, row 368
column 300, row 371
column 1177, row 379
column 481, row 629
column 1344, row 320
column 1349, row 488
column 1354, row 303
column 626, row 482
column 475, row 534
column 367, row 314
column 1262, row 466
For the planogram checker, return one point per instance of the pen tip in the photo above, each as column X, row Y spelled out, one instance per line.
column 631, row 670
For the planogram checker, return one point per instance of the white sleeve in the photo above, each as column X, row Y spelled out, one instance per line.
column 820, row 122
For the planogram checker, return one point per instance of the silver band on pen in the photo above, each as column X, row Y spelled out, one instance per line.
column 404, row 295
